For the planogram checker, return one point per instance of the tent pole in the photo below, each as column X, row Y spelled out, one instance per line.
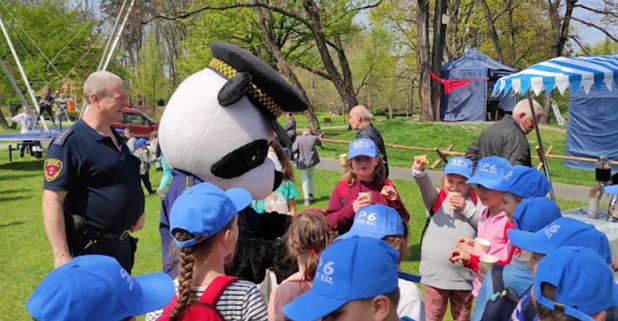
column 542, row 153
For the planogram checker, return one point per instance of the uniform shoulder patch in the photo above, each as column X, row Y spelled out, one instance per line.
column 61, row 139
column 53, row 168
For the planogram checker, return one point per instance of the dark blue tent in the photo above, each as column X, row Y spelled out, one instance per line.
column 591, row 129
column 469, row 102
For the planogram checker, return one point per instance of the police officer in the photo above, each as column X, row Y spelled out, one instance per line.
column 92, row 177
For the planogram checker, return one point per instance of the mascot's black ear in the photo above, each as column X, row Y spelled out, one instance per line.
column 234, row 89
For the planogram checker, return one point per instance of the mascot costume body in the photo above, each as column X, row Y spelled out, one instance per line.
column 216, row 128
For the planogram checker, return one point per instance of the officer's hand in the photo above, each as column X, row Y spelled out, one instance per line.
column 140, row 223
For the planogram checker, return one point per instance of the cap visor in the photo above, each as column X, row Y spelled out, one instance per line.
column 281, row 134
column 487, row 183
column 239, row 197
column 532, row 242
column 311, row 306
column 157, row 291
column 611, row 189
column 461, row 173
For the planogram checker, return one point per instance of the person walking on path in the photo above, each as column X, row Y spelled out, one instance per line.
column 360, row 120
column 306, row 159
column 92, row 181
column 507, row 137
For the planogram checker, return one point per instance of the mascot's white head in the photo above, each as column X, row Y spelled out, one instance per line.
column 219, row 122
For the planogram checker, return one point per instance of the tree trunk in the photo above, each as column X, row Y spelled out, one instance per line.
column 439, row 39
column 344, row 88
column 424, row 82
column 283, row 66
column 492, row 30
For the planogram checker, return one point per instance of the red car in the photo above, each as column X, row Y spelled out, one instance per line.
column 142, row 125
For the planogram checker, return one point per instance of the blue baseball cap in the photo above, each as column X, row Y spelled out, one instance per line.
column 204, row 209
column 375, row 221
column 352, row 269
column 584, row 282
column 97, row 288
column 525, row 182
column 364, row 147
column 535, row 213
column 141, row 142
column 490, row 171
column 460, row 166
column 562, row 232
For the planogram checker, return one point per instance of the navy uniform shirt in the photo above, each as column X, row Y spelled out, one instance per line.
column 102, row 182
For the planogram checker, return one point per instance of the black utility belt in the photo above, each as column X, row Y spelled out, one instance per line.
column 112, row 236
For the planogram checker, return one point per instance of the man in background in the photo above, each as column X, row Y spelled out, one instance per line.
column 507, row 137
column 360, row 120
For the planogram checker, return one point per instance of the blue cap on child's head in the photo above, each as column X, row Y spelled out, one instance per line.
column 141, row 142
column 362, row 147
column 534, row 213
column 490, row 171
column 204, row 209
column 460, row 166
column 352, row 269
column 375, row 221
column 96, row 287
column 583, row 280
column 525, row 182
column 562, row 232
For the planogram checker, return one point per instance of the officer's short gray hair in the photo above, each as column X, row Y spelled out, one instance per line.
column 98, row 82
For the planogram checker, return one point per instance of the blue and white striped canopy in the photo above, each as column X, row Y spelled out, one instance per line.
column 562, row 73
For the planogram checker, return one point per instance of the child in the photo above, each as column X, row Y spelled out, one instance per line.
column 574, row 283
column 131, row 140
column 307, row 236
column 204, row 224
column 532, row 214
column 520, row 183
column 304, row 147
column 560, row 233
column 97, row 288
column 363, row 183
column 283, row 199
column 449, row 217
column 493, row 222
column 384, row 223
column 27, row 121
column 355, row 280
column 141, row 152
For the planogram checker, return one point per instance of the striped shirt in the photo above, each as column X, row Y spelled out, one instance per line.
column 241, row 300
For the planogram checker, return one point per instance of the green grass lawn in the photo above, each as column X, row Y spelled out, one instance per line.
column 26, row 256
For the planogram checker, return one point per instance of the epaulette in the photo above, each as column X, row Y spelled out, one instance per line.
column 61, row 139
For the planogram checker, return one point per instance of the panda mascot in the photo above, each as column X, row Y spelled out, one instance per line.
column 216, row 128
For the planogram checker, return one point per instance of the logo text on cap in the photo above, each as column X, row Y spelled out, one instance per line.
column 551, row 230
column 125, row 275
column 367, row 219
column 487, row 168
column 325, row 271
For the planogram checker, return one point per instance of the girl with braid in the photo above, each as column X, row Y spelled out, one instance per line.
column 204, row 224
column 308, row 235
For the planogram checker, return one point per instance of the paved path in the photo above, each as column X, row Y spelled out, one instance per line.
column 562, row 191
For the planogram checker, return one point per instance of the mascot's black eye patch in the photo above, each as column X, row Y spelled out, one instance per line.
column 241, row 160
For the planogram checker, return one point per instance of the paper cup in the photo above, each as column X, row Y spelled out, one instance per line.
column 481, row 244
column 487, row 261
column 343, row 159
column 366, row 195
column 449, row 198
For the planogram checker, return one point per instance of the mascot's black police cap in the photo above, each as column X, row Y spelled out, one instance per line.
column 251, row 77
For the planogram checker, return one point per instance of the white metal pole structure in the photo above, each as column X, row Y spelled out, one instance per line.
column 14, row 84
column 111, row 44
column 23, row 74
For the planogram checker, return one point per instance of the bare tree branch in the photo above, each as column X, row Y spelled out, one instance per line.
column 595, row 26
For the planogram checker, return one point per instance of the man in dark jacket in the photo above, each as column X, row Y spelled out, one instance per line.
column 360, row 119
column 507, row 137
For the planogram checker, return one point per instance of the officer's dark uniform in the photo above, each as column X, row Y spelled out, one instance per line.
column 102, row 185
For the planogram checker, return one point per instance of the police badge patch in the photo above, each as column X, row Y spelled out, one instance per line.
column 53, row 168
